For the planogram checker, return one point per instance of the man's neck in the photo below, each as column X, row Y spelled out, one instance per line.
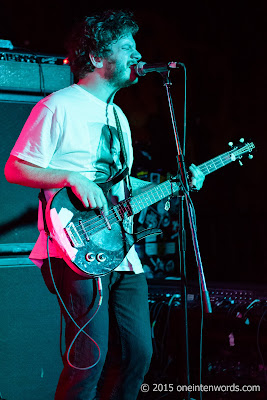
column 98, row 88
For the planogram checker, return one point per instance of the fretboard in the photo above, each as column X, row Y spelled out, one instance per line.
column 165, row 189
column 152, row 196
column 216, row 163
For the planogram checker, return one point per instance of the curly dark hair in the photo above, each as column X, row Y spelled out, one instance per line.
column 94, row 35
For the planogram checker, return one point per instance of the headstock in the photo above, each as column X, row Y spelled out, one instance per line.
column 241, row 149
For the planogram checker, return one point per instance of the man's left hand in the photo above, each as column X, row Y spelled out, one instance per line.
column 197, row 177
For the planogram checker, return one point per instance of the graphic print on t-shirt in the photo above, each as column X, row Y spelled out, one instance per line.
column 107, row 154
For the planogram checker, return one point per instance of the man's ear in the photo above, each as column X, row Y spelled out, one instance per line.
column 96, row 61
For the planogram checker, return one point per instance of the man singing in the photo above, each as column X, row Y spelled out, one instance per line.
column 71, row 140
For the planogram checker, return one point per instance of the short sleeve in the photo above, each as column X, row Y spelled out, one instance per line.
column 39, row 137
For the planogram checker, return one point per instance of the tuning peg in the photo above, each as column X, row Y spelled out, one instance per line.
column 241, row 140
column 240, row 163
column 250, row 156
column 230, row 144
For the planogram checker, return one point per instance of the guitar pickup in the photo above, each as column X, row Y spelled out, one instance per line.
column 74, row 235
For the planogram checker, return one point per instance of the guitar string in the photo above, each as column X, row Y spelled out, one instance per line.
column 221, row 160
column 128, row 208
column 99, row 217
column 123, row 207
column 218, row 162
column 99, row 221
column 227, row 156
column 102, row 224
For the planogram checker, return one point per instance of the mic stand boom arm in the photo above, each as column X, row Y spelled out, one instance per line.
column 181, row 238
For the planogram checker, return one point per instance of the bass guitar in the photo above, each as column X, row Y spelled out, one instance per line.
column 94, row 244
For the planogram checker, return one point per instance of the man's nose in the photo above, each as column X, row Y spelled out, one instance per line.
column 136, row 55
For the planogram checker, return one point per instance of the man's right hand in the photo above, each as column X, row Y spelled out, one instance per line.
column 90, row 194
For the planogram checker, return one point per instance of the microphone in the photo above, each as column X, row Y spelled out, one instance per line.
column 143, row 68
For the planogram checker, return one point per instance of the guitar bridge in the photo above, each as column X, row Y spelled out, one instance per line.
column 74, row 235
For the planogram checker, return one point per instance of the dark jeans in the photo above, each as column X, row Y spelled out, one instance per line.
column 125, row 353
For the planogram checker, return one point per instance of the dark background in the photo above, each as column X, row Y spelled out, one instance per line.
column 223, row 45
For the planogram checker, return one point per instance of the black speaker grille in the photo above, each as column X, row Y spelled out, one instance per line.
column 19, row 205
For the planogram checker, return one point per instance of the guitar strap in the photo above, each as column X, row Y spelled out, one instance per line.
column 42, row 198
column 123, row 150
column 125, row 172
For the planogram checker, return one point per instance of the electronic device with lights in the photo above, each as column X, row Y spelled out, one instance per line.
column 28, row 72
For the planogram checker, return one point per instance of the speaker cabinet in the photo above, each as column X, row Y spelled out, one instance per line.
column 30, row 361
column 19, row 205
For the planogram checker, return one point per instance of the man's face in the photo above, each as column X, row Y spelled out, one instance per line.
column 118, row 65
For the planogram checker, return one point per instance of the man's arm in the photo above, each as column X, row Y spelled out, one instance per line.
column 26, row 174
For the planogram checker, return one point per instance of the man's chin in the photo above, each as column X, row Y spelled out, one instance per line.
column 130, row 78
column 130, row 82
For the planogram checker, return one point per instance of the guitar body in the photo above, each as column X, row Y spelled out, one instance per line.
column 88, row 246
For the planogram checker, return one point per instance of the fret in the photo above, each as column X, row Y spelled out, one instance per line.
column 215, row 163
column 152, row 196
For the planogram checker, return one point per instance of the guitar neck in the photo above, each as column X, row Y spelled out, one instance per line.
column 165, row 189
column 216, row 163
column 152, row 196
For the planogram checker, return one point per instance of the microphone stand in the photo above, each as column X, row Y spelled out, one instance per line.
column 182, row 178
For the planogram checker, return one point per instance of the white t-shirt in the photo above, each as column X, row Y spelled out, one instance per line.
column 73, row 130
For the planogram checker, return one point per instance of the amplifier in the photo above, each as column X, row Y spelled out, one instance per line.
column 221, row 293
column 234, row 338
column 35, row 73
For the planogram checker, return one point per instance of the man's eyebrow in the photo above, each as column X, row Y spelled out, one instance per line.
column 129, row 43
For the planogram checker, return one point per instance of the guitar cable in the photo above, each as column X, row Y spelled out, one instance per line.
column 81, row 329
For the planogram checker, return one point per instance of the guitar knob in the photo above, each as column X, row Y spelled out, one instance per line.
column 250, row 156
column 230, row 144
column 241, row 140
column 90, row 257
column 100, row 257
